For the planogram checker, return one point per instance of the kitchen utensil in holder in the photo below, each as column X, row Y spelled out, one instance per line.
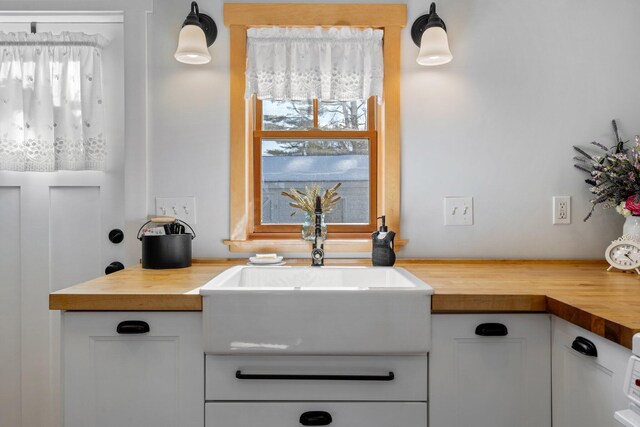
column 166, row 251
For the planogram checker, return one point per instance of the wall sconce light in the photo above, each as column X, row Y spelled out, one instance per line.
column 198, row 32
column 430, row 34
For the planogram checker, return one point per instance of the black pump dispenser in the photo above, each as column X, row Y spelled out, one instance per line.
column 382, row 246
column 383, row 227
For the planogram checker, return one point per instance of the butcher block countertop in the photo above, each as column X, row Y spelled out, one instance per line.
column 581, row 292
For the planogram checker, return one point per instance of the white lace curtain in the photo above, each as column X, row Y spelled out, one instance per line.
column 51, row 109
column 335, row 64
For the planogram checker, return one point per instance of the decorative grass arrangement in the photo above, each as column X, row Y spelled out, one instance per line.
column 306, row 201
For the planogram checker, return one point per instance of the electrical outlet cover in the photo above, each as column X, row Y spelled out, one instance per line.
column 561, row 210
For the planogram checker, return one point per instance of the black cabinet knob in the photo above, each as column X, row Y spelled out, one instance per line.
column 113, row 267
column 116, row 235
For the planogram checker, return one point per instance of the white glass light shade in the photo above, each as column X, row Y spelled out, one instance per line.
column 192, row 46
column 434, row 47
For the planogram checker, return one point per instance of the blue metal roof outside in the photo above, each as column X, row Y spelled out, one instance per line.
column 315, row 168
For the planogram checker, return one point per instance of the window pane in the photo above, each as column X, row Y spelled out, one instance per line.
column 296, row 164
column 347, row 115
column 287, row 115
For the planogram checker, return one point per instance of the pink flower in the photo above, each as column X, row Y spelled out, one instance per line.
column 633, row 204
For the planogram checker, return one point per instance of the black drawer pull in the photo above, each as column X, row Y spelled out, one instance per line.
column 241, row 376
column 584, row 346
column 491, row 330
column 133, row 327
column 315, row 418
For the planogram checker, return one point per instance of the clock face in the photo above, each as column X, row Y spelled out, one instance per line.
column 623, row 255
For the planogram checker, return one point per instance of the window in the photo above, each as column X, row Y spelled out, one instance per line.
column 263, row 133
column 299, row 144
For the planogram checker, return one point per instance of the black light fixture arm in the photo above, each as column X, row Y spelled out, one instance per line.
column 428, row 20
column 204, row 21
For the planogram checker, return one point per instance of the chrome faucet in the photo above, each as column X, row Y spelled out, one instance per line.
column 317, row 253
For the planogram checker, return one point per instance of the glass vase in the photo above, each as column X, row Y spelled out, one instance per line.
column 309, row 227
column 631, row 227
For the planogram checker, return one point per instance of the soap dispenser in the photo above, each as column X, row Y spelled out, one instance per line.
column 382, row 246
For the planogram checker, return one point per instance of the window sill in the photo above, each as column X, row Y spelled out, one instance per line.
column 299, row 245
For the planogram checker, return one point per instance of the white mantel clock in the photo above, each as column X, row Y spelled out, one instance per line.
column 624, row 254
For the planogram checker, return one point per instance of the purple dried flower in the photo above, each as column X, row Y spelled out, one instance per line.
column 615, row 175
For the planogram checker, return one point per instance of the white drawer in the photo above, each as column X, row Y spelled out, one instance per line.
column 380, row 378
column 356, row 414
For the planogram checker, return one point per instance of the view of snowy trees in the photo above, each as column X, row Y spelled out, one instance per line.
column 298, row 115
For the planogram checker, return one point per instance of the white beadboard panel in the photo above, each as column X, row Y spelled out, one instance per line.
column 10, row 363
column 75, row 225
column 34, row 302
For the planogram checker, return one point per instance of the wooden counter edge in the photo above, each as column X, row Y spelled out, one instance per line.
column 467, row 303
column 610, row 330
column 125, row 302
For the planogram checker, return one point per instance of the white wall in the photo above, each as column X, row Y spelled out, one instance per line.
column 529, row 79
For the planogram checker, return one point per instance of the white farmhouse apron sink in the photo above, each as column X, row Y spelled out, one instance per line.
column 316, row 310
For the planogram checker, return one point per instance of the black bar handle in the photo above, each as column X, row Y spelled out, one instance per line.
column 491, row 330
column 315, row 418
column 241, row 376
column 133, row 327
column 584, row 346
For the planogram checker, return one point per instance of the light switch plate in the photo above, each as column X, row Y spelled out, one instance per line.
column 458, row 211
column 182, row 208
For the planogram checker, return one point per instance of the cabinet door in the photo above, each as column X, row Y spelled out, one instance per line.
column 490, row 380
column 587, row 390
column 133, row 380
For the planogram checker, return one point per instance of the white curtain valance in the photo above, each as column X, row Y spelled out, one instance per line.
column 51, row 105
column 335, row 64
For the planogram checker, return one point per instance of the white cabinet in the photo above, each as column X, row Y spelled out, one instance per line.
column 587, row 390
column 480, row 377
column 147, row 379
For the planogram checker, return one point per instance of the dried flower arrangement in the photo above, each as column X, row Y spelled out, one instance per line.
column 614, row 173
column 306, row 201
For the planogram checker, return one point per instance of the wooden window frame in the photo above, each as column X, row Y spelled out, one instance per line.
column 261, row 231
column 391, row 18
